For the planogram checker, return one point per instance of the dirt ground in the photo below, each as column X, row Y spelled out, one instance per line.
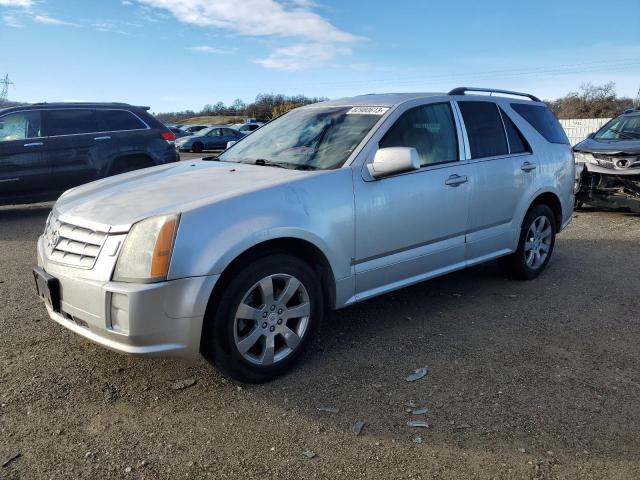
column 535, row 379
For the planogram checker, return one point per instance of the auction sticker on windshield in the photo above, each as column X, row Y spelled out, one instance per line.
column 367, row 111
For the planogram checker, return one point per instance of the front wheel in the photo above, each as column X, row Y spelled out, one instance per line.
column 197, row 147
column 264, row 318
column 535, row 246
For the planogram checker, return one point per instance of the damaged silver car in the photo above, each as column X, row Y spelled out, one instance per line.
column 608, row 164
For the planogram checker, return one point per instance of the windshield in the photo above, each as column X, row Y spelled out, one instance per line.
column 314, row 138
column 621, row 128
column 204, row 131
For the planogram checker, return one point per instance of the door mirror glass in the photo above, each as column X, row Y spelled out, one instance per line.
column 231, row 143
column 394, row 160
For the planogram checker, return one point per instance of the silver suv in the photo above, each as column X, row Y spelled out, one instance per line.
column 237, row 257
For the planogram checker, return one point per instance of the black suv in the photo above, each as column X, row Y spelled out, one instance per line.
column 47, row 148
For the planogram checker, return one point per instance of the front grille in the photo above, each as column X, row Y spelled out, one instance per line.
column 617, row 161
column 72, row 245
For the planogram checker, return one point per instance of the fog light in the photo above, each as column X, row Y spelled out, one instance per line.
column 119, row 313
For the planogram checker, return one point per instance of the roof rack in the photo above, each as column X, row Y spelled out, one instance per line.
column 462, row 90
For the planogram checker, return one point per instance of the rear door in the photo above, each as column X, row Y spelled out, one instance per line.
column 498, row 163
column 72, row 146
column 122, row 133
column 23, row 169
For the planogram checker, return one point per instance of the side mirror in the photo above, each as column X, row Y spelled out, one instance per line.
column 394, row 160
column 231, row 143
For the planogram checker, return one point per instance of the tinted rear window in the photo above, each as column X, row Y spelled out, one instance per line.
column 484, row 129
column 114, row 120
column 70, row 121
column 543, row 121
column 517, row 142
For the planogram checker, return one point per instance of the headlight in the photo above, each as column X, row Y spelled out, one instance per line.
column 146, row 253
column 582, row 157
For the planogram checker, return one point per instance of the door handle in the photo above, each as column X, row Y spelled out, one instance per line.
column 456, row 180
column 106, row 137
column 528, row 166
column 33, row 144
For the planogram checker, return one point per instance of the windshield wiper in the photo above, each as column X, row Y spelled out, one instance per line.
column 269, row 163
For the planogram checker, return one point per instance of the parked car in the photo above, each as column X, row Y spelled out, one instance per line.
column 177, row 131
column 212, row 138
column 191, row 129
column 608, row 163
column 246, row 128
column 237, row 257
column 47, row 148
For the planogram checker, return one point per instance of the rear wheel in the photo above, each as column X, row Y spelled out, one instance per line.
column 197, row 147
column 264, row 318
column 537, row 239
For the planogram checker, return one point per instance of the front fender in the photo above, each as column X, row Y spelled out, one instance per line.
column 317, row 209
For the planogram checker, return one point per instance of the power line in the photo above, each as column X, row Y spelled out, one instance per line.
column 548, row 71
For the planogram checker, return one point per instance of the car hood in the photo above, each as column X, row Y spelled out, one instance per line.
column 616, row 147
column 115, row 203
column 188, row 138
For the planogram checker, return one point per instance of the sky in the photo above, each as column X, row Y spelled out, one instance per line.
column 182, row 54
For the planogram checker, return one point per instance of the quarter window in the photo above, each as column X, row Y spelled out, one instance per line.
column 20, row 125
column 70, row 122
column 430, row 129
column 543, row 120
column 118, row 120
column 484, row 129
column 517, row 142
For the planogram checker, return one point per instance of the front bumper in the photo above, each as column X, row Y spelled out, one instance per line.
column 609, row 188
column 158, row 319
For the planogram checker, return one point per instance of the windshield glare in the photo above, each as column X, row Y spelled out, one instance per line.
column 316, row 138
column 621, row 128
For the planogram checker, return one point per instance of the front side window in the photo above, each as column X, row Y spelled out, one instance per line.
column 310, row 138
column 621, row 128
column 214, row 132
column 19, row 126
column 430, row 129
column 119, row 120
column 70, row 121
column 484, row 129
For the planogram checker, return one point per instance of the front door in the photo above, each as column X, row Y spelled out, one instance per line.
column 412, row 226
column 23, row 169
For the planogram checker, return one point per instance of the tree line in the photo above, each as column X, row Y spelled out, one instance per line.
column 264, row 107
column 591, row 101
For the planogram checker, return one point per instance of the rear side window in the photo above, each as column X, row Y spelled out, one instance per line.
column 543, row 121
column 484, row 129
column 115, row 120
column 430, row 129
column 517, row 142
column 70, row 121
column 20, row 125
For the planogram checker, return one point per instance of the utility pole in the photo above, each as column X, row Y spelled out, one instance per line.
column 637, row 102
column 4, row 92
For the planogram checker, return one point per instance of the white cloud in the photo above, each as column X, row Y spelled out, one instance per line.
column 16, row 3
column 268, row 18
column 208, row 49
column 302, row 55
column 11, row 21
column 46, row 19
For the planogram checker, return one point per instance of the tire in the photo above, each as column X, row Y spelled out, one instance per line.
column 524, row 263
column 197, row 147
column 239, row 346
